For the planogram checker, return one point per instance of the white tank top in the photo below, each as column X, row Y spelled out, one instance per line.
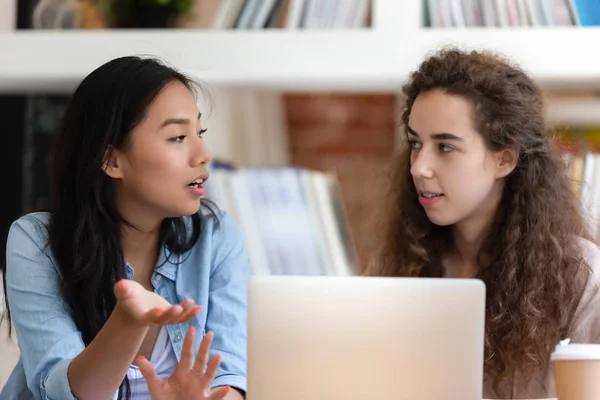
column 163, row 360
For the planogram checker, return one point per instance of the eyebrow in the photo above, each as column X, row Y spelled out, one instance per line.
column 178, row 121
column 436, row 136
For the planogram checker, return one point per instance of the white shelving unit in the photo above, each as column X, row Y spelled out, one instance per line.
column 377, row 59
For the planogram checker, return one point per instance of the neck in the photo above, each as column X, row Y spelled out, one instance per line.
column 468, row 237
column 140, row 249
column 467, row 240
column 140, row 242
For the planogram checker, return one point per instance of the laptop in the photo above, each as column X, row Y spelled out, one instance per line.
column 330, row 338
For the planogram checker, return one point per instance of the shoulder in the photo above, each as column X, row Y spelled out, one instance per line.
column 220, row 237
column 219, row 227
column 220, row 250
column 29, row 258
column 590, row 251
column 587, row 316
column 590, row 254
column 32, row 227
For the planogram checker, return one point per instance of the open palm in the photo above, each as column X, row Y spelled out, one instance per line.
column 145, row 307
column 191, row 379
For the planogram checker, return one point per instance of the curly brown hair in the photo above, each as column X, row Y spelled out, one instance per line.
column 530, row 260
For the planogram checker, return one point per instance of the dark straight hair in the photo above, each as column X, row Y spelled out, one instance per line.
column 84, row 227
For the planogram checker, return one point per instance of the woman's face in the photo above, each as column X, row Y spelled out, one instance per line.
column 456, row 177
column 161, row 171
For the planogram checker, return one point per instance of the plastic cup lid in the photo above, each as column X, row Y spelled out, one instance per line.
column 576, row 351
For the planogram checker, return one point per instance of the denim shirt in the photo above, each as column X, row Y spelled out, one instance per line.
column 214, row 273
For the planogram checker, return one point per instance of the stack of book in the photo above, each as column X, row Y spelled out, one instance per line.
column 288, row 14
column 512, row 13
column 292, row 219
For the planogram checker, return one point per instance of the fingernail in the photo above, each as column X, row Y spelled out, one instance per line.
column 160, row 311
column 197, row 308
column 138, row 359
column 193, row 330
column 228, row 388
column 122, row 284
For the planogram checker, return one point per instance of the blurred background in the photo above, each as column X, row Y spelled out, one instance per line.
column 304, row 117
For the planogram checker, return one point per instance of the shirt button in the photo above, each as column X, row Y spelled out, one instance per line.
column 158, row 277
column 177, row 338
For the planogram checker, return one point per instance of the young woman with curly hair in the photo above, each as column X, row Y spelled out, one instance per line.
column 479, row 192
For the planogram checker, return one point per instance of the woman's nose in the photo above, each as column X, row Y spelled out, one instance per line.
column 421, row 165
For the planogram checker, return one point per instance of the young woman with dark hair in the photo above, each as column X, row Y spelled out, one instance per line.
column 113, row 290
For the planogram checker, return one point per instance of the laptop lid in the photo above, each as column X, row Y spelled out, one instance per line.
column 324, row 338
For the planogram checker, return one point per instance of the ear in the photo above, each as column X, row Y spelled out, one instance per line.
column 112, row 163
column 506, row 162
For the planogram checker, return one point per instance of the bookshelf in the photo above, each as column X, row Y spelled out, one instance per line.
column 376, row 59
column 293, row 220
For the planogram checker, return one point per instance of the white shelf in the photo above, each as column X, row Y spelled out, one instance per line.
column 363, row 60
column 574, row 112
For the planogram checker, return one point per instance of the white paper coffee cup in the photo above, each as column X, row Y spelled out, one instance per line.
column 577, row 371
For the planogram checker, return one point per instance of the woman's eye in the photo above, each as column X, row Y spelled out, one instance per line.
column 446, row 148
column 202, row 132
column 414, row 144
column 177, row 138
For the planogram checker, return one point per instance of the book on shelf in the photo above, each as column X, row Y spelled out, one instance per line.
column 286, row 14
column 292, row 219
column 581, row 151
column 511, row 13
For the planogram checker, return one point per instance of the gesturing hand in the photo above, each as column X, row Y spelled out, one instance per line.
column 188, row 382
column 145, row 307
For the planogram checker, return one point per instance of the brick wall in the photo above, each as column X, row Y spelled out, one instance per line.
column 353, row 135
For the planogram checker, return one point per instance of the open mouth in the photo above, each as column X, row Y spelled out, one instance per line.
column 197, row 183
column 430, row 195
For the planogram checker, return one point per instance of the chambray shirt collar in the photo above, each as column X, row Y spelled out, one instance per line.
column 167, row 264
